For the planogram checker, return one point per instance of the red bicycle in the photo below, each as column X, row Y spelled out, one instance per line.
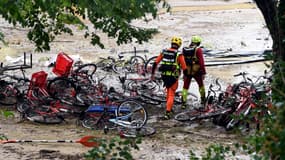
column 213, row 106
column 39, row 106
column 254, row 101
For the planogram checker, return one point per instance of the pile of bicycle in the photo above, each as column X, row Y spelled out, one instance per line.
column 240, row 105
column 79, row 91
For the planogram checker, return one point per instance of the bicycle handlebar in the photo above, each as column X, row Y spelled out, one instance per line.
column 218, row 84
column 241, row 74
column 252, row 83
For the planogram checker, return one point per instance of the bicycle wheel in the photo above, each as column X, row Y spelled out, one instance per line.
column 187, row 116
column 159, row 96
column 222, row 120
column 137, row 60
column 136, row 132
column 119, row 67
column 143, row 86
column 8, row 93
column 132, row 114
column 97, row 121
column 40, row 114
column 85, row 72
column 62, row 89
column 149, row 63
column 214, row 113
column 236, row 117
column 23, row 106
column 44, row 119
column 148, row 67
column 144, row 100
column 90, row 122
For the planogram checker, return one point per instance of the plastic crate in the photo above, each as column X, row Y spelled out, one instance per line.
column 39, row 79
column 63, row 65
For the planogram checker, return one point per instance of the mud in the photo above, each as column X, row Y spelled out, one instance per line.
column 229, row 26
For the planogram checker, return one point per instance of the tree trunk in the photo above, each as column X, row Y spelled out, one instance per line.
column 281, row 16
column 269, row 9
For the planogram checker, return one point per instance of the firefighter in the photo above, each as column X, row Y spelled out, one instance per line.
column 195, row 68
column 172, row 61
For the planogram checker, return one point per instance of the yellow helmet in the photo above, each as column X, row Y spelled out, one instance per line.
column 196, row 39
column 176, row 40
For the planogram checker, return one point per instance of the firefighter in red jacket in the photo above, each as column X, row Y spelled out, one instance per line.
column 171, row 62
column 195, row 68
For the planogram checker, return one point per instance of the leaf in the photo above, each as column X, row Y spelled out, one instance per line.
column 8, row 114
column 47, row 19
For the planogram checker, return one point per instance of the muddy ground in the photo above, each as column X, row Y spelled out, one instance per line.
column 234, row 26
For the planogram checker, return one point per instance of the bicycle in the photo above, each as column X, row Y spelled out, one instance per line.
column 39, row 106
column 69, row 80
column 211, row 109
column 11, row 90
column 125, row 115
column 141, row 88
column 132, row 88
column 106, row 63
column 12, row 87
column 252, row 95
column 132, row 65
column 148, row 67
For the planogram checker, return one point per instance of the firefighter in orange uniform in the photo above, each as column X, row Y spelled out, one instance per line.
column 172, row 61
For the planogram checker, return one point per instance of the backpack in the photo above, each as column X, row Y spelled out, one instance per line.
column 191, row 60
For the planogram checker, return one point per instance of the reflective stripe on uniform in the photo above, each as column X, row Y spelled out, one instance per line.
column 168, row 53
column 169, row 73
column 168, row 60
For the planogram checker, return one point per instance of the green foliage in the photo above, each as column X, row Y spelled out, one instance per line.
column 214, row 152
column 49, row 18
column 281, row 16
column 115, row 149
column 272, row 138
column 7, row 114
column 279, row 82
column 3, row 137
column 2, row 38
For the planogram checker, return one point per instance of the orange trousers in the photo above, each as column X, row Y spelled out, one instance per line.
column 170, row 94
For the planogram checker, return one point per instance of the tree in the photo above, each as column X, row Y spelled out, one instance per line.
column 269, row 141
column 46, row 19
column 274, row 14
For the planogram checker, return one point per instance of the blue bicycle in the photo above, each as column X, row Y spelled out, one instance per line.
column 128, row 116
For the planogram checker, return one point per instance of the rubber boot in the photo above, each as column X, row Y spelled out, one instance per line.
column 184, row 98
column 168, row 115
column 202, row 95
